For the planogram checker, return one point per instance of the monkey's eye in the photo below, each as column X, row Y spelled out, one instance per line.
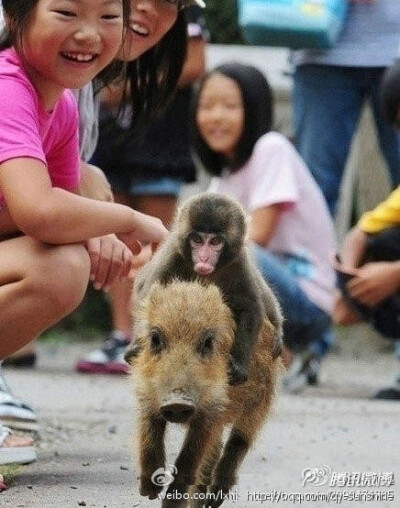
column 206, row 345
column 216, row 240
column 196, row 238
column 157, row 343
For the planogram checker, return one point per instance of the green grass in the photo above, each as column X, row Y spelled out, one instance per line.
column 10, row 473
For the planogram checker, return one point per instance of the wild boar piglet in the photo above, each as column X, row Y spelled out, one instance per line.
column 185, row 331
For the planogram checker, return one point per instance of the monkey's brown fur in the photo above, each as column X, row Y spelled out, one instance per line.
column 244, row 288
column 183, row 311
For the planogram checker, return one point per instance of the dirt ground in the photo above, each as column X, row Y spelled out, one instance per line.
column 86, row 450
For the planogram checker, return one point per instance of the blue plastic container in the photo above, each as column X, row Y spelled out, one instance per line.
column 292, row 23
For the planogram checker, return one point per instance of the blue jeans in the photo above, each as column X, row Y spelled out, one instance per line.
column 327, row 106
column 305, row 323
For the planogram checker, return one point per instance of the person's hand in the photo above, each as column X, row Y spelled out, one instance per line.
column 140, row 260
column 342, row 314
column 374, row 282
column 148, row 230
column 94, row 183
column 109, row 258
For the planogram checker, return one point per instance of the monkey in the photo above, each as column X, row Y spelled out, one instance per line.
column 207, row 242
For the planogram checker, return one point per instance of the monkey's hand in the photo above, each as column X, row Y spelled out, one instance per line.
column 148, row 489
column 238, row 374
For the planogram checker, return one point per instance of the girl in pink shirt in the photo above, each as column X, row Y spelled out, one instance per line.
column 48, row 47
column 290, row 226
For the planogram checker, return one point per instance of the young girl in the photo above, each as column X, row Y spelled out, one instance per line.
column 290, row 226
column 38, row 275
column 50, row 46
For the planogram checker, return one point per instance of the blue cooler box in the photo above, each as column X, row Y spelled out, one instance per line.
column 292, row 23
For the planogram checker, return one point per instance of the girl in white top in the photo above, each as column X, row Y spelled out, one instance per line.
column 290, row 225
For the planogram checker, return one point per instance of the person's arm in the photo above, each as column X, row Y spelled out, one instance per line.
column 195, row 63
column 353, row 249
column 263, row 223
column 54, row 215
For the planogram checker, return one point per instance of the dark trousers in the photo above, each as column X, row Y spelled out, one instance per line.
column 385, row 317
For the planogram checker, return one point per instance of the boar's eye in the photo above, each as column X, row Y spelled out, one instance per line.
column 156, row 341
column 206, row 345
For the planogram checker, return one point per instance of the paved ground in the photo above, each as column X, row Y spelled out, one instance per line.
column 86, row 452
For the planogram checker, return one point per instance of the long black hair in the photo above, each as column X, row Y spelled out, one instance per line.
column 151, row 79
column 19, row 13
column 258, row 116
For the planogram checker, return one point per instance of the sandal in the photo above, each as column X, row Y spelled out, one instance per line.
column 15, row 449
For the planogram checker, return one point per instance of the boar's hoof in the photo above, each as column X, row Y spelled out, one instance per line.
column 148, row 488
column 220, row 493
column 177, row 408
column 168, row 503
column 237, row 374
column 175, row 496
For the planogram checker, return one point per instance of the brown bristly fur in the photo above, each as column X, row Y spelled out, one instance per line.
column 183, row 310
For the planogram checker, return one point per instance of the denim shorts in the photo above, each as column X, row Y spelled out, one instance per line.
column 161, row 187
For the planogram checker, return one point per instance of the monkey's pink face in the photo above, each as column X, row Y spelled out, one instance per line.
column 206, row 249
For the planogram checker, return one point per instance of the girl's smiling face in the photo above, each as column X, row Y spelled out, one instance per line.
column 66, row 43
column 149, row 21
column 220, row 114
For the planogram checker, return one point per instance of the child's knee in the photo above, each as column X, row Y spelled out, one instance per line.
column 63, row 274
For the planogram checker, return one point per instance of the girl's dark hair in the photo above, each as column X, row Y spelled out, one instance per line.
column 151, row 79
column 19, row 12
column 390, row 94
column 258, row 116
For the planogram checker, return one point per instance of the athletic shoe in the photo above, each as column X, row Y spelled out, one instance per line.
column 314, row 365
column 19, row 451
column 107, row 360
column 303, row 371
column 25, row 361
column 391, row 393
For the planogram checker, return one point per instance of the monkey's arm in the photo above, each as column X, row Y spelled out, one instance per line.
column 248, row 314
column 273, row 311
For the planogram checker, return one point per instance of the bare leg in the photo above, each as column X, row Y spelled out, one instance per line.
column 39, row 285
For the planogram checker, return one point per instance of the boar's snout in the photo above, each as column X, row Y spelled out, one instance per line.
column 177, row 407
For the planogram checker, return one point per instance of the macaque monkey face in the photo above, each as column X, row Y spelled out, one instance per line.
column 206, row 249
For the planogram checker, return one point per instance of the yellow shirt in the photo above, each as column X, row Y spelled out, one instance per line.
column 385, row 215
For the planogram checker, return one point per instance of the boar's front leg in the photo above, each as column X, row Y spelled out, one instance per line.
column 225, row 473
column 202, row 435
column 206, row 474
column 151, row 453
